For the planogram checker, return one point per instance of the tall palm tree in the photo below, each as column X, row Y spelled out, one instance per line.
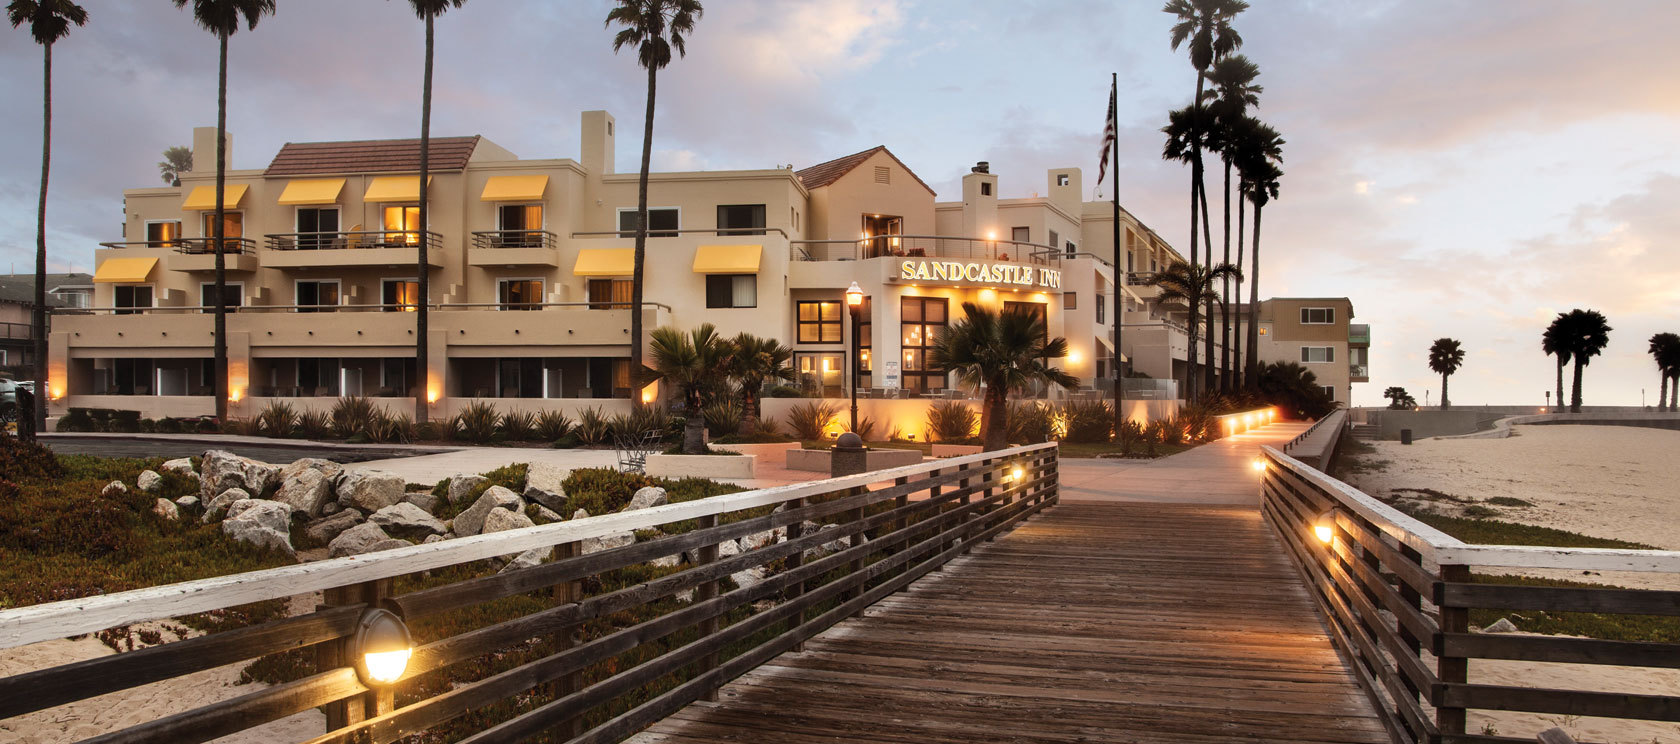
column 1446, row 355
column 1262, row 175
column 1185, row 138
column 221, row 17
column 176, row 160
column 1669, row 359
column 428, row 11
column 1233, row 91
column 1586, row 333
column 1399, row 399
column 1663, row 347
column 1003, row 352
column 49, row 21
column 1553, row 343
column 689, row 363
column 653, row 28
column 1252, row 143
column 1191, row 286
column 754, row 361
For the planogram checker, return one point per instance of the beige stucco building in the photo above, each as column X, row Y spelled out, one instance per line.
column 530, row 262
column 1317, row 333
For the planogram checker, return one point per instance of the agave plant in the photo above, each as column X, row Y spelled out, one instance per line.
column 313, row 424
column 552, row 425
column 950, row 420
column 478, row 423
column 810, row 420
column 723, row 417
column 519, row 426
column 388, row 428
column 277, row 420
column 592, row 427
column 354, row 415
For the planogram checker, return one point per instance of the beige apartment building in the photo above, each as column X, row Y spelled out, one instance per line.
column 530, row 264
column 1317, row 333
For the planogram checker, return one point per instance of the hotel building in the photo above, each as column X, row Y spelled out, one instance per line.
column 530, row 264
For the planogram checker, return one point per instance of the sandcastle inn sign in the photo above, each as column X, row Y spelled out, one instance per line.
column 958, row 272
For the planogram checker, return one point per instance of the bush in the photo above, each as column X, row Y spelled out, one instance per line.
column 277, row 420
column 354, row 414
column 478, row 423
column 866, row 429
column 811, row 420
column 570, row 441
column 239, row 427
column 1198, row 422
column 1031, row 422
column 76, row 420
column 1087, row 421
column 519, row 426
column 125, row 421
column 552, row 425
column 428, row 431
column 592, row 427
column 784, row 391
column 398, row 428
column 723, row 417
column 645, row 419
column 148, row 426
column 164, row 426
column 1132, row 433
column 950, row 420
column 208, row 425
column 313, row 425
column 21, row 461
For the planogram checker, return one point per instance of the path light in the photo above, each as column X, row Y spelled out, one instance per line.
column 382, row 647
column 1018, row 473
column 1260, row 464
column 1325, row 527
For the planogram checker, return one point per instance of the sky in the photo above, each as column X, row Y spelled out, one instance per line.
column 1461, row 169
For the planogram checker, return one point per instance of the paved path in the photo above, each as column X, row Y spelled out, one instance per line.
column 1220, row 472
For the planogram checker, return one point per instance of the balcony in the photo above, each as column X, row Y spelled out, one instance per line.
column 513, row 248
column 925, row 246
column 363, row 248
column 1359, row 373
column 1359, row 334
column 199, row 254
column 16, row 332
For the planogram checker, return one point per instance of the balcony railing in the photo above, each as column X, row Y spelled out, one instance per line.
column 188, row 309
column 925, row 246
column 513, row 239
column 1139, row 278
column 1359, row 370
column 191, row 246
column 1359, row 333
column 313, row 241
column 16, row 331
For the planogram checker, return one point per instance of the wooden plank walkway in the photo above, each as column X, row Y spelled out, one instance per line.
column 1145, row 623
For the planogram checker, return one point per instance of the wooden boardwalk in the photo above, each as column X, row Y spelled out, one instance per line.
column 1144, row 623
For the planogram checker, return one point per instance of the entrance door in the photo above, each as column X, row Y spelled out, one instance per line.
column 880, row 233
column 821, row 371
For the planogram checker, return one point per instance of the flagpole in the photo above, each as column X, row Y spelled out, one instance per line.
column 1119, row 268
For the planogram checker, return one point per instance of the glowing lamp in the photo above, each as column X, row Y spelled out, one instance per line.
column 1018, row 473
column 991, row 235
column 1073, row 356
column 55, row 393
column 1324, row 528
column 854, row 295
column 431, row 397
column 382, row 647
column 1260, row 464
column 234, row 394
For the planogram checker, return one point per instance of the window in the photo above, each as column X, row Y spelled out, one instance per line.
column 317, row 377
column 1105, row 357
column 132, row 296
column 312, row 222
column 402, row 225
column 399, row 295
column 740, row 219
column 921, row 319
column 985, row 188
column 233, row 295
column 163, row 234
column 1070, row 301
column 1020, row 234
column 315, row 296
column 866, row 344
column 1062, row 179
column 396, row 376
column 1071, row 248
column 1318, row 354
column 519, row 294
column 521, row 225
column 663, row 222
column 820, row 371
column 731, row 290
column 233, row 222
column 1318, row 315
column 609, row 294
column 875, row 226
column 1054, row 238
column 1102, row 307
column 819, row 322
column 1130, row 260
column 1330, row 392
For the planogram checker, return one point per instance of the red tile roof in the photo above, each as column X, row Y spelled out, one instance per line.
column 823, row 174
column 370, row 156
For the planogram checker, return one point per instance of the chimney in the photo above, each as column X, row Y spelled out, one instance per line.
column 1067, row 189
column 204, row 150
column 981, row 167
column 980, row 197
column 597, row 148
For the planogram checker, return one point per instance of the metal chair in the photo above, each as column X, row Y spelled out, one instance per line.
column 634, row 448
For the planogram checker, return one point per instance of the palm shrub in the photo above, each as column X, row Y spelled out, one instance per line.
column 310, row 425
column 723, row 417
column 754, row 361
column 1001, row 353
column 277, row 419
column 810, row 420
column 866, row 429
column 951, row 421
column 1031, row 422
column 479, row 422
column 1087, row 421
column 552, row 425
column 592, row 427
column 689, row 362
column 518, row 426
column 353, row 414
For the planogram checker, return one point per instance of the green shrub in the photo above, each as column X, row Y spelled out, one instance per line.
column 569, row 441
column 519, row 426
column 552, row 425
column 784, row 391
column 592, row 427
column 723, row 417
column 811, row 420
column 148, row 426
column 165, row 425
column 354, row 414
column 313, row 425
column 125, row 421
column 1087, row 421
column 952, row 421
column 208, row 425
column 478, row 422
column 866, row 429
column 277, row 420
column 1031, row 422
column 76, row 420
column 1132, row 433
column 428, row 431
column 239, row 427
column 388, row 428
column 1198, row 423
column 21, row 461
column 769, row 425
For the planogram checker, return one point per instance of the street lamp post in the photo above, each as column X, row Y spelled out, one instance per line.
column 854, row 301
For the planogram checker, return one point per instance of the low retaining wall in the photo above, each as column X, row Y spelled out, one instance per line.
column 909, row 415
column 876, row 459
column 768, row 452
column 955, row 450
column 1643, row 419
column 1432, row 422
column 702, row 466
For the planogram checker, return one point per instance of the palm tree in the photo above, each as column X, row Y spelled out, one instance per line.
column 1002, row 352
column 1446, row 355
column 1669, row 360
column 221, row 17
column 1585, row 334
column 1185, row 138
column 1552, row 342
column 1399, row 399
column 428, row 11
column 756, row 360
column 689, row 363
column 1233, row 92
column 1663, row 347
column 1192, row 286
column 653, row 28
column 176, row 160
column 1262, row 175
column 49, row 21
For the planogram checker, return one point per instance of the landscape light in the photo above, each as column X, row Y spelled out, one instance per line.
column 1018, row 473
column 1260, row 464
column 1325, row 527
column 234, row 395
column 382, row 647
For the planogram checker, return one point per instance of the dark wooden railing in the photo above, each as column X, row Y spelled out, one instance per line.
column 612, row 648
column 323, row 241
column 488, row 239
column 1398, row 596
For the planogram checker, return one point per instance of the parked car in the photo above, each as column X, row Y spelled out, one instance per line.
column 8, row 400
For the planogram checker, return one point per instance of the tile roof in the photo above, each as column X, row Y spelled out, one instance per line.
column 823, row 174
column 20, row 288
column 370, row 156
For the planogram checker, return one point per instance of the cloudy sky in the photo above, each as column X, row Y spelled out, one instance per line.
column 1463, row 169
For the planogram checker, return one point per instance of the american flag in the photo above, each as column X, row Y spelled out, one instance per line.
column 1108, row 138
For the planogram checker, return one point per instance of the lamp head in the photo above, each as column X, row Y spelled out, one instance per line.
column 1324, row 528
column 381, row 648
column 854, row 295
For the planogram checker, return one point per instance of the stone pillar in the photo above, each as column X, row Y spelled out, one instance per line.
column 849, row 456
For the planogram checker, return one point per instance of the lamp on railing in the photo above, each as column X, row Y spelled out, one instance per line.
column 381, row 648
column 1260, row 464
column 1324, row 528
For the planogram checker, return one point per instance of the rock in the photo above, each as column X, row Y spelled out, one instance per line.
column 423, row 499
column 432, row 539
column 471, row 521
column 686, row 595
column 764, row 539
column 357, row 540
column 330, row 508
column 308, row 484
column 527, row 559
column 544, row 515
column 166, row 509
column 187, row 502
column 182, row 465
column 832, row 546
column 1502, row 625
column 669, row 561
column 580, row 514
column 114, row 489
column 608, row 542
column 214, row 509
column 220, row 470
column 749, row 577
column 501, row 520
column 370, row 490
column 407, row 520
column 323, row 530
column 728, row 548
column 648, row 496
column 461, row 486
column 387, row 545
column 262, row 523
column 149, row 481
column 543, row 484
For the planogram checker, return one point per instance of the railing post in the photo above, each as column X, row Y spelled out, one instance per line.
column 795, row 530
column 855, row 566
column 1451, row 670
column 335, row 654
column 903, row 521
column 963, row 515
column 705, row 592
column 933, row 495
column 991, row 481
column 1413, row 599
column 569, row 592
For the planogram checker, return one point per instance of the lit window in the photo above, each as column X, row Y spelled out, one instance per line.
column 163, row 234
column 819, row 322
column 400, row 295
column 234, row 223
column 519, row 294
column 402, row 225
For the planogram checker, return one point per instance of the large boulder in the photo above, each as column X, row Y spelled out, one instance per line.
column 307, row 485
column 260, row 522
column 166, row 509
column 543, row 484
column 181, row 465
column 544, row 515
column 461, row 487
column 363, row 538
column 149, row 481
column 648, row 496
column 407, row 520
column 471, row 521
column 214, row 508
column 325, row 529
column 423, row 499
column 502, row 520
column 607, row 542
column 220, row 470
column 370, row 490
column 527, row 559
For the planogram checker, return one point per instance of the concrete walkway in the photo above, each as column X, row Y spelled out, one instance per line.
column 1219, row 472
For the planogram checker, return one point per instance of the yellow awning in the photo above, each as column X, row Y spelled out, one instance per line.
column 605, row 262
column 514, row 188
column 124, row 270
column 312, row 191
column 394, row 189
column 204, row 197
column 727, row 259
